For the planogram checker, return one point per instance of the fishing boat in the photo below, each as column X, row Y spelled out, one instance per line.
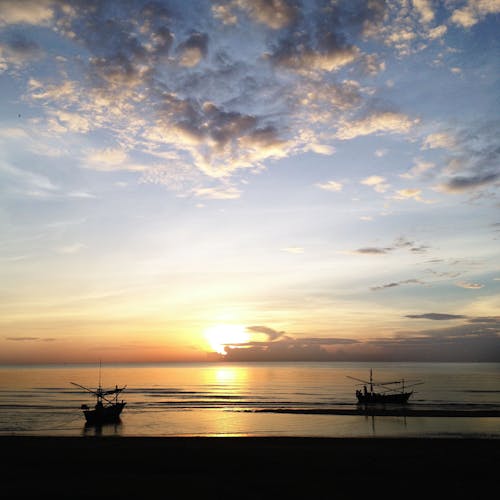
column 107, row 408
column 392, row 392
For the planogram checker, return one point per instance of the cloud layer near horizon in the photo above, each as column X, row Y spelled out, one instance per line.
column 478, row 339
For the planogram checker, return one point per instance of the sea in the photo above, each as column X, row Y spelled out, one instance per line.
column 306, row 399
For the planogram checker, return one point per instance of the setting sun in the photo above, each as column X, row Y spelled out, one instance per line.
column 221, row 336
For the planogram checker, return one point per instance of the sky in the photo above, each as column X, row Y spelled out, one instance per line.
column 244, row 180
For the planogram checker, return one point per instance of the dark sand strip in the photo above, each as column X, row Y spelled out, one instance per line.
column 307, row 468
column 386, row 412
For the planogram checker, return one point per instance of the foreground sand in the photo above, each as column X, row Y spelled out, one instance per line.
column 143, row 468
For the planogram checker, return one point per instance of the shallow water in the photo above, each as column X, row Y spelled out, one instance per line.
column 226, row 399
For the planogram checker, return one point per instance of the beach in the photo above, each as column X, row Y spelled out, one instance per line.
column 248, row 467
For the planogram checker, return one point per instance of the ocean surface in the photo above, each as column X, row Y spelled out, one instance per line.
column 252, row 399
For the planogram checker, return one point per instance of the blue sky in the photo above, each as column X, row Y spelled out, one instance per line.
column 322, row 175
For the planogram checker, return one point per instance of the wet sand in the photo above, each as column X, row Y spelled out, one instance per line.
column 396, row 411
column 267, row 467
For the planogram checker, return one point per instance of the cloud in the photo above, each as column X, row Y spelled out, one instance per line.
column 468, row 285
column 294, row 250
column 30, row 339
column 63, row 121
column 281, row 347
column 373, row 250
column 106, row 159
column 377, row 182
column 298, row 55
column 156, row 79
column 439, row 140
column 478, row 339
column 275, row 15
column 377, row 122
column 436, row 316
column 404, row 194
column 26, row 182
column 193, row 50
column 217, row 193
column 460, row 184
column 420, row 168
column 424, row 9
column 399, row 243
column 71, row 249
column 270, row 332
column 473, row 11
column 471, row 342
column 397, row 283
column 35, row 12
column 17, row 50
column 473, row 160
column 330, row 186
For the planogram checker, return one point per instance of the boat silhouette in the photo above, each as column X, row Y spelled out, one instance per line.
column 107, row 408
column 392, row 392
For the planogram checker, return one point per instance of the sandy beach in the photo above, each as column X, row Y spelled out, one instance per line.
column 265, row 467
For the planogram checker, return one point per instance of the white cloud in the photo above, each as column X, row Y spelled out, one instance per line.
column 468, row 285
column 34, row 12
column 376, row 182
column 217, row 193
column 474, row 10
column 424, row 8
column 419, row 168
column 379, row 122
column 294, row 250
column 71, row 249
column 442, row 140
column 330, row 186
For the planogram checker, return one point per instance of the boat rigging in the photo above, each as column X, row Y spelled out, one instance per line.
column 392, row 392
column 106, row 410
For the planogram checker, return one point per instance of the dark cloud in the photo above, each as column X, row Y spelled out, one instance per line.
column 21, row 46
column 494, row 320
column 411, row 281
column 286, row 348
column 436, row 316
column 193, row 49
column 22, row 339
column 475, row 159
column 399, row 243
column 17, row 50
column 373, row 250
column 30, row 339
column 298, row 52
column 462, row 183
column 271, row 334
column 477, row 340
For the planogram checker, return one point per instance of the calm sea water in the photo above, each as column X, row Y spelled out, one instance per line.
column 227, row 399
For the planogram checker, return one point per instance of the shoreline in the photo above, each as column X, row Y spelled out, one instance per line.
column 384, row 412
column 246, row 467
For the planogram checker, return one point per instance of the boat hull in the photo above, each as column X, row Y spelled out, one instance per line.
column 375, row 398
column 104, row 414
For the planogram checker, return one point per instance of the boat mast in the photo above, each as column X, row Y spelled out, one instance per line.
column 99, row 390
column 371, row 381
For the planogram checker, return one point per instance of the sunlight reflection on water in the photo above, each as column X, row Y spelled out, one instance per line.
column 228, row 400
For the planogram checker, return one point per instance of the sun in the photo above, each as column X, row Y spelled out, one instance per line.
column 221, row 336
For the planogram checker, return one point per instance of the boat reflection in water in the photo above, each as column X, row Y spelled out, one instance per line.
column 110, row 429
